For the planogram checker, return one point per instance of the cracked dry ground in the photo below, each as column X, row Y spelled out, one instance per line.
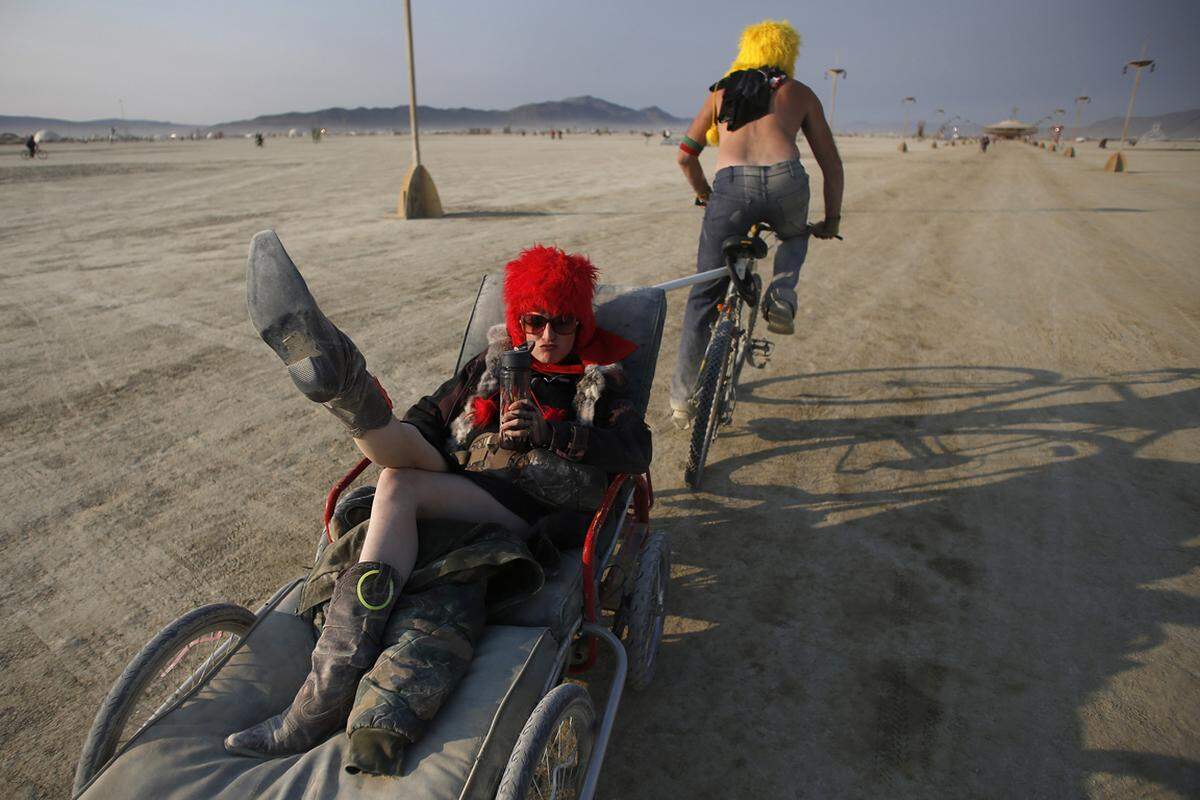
column 948, row 548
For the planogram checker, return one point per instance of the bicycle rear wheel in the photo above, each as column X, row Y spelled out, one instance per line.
column 710, row 390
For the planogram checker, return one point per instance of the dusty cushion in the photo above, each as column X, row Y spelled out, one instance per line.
column 462, row 755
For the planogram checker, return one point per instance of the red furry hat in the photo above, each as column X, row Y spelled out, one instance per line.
column 549, row 280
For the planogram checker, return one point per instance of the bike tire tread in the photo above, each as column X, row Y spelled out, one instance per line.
column 707, row 396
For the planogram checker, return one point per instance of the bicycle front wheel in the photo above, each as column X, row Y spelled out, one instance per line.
column 709, row 390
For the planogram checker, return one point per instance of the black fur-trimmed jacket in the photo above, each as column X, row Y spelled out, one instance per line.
column 602, row 429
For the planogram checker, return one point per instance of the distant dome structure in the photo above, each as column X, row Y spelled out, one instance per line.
column 1010, row 129
column 293, row 133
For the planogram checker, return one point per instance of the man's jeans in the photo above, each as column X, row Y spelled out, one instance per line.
column 742, row 196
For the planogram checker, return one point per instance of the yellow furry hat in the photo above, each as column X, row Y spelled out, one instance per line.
column 770, row 43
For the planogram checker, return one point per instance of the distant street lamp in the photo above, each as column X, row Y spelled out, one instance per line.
column 1080, row 102
column 835, row 73
column 418, row 197
column 905, row 102
column 1116, row 162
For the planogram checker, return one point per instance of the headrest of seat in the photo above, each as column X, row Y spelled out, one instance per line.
column 635, row 312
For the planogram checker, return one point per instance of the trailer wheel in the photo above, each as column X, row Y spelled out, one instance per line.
column 647, row 609
column 180, row 657
column 552, row 753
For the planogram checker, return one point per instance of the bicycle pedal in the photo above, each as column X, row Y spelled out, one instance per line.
column 760, row 352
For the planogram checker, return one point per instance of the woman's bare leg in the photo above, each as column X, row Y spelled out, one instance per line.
column 399, row 445
column 403, row 496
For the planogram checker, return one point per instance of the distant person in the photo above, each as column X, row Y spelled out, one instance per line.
column 31, row 145
column 258, row 139
column 984, row 141
column 754, row 113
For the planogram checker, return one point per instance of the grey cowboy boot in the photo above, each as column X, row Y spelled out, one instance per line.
column 349, row 644
column 779, row 309
column 323, row 362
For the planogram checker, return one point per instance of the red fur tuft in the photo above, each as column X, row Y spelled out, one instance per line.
column 484, row 409
column 554, row 414
column 550, row 280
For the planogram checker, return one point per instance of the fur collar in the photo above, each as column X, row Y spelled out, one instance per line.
column 588, row 390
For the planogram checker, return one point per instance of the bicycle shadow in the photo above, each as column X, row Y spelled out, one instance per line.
column 978, row 597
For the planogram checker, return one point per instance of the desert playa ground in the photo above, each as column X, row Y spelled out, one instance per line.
column 949, row 548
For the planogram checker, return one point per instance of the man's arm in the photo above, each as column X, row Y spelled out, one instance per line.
column 820, row 140
column 689, row 151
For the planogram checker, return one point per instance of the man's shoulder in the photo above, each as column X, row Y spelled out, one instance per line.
column 797, row 89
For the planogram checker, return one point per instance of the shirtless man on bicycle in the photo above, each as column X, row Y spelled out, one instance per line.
column 755, row 113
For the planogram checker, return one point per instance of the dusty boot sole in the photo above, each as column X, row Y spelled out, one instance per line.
column 287, row 317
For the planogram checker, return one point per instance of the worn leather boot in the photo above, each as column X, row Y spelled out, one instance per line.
column 323, row 362
column 349, row 644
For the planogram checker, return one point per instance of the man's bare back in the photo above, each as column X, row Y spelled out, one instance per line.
column 771, row 139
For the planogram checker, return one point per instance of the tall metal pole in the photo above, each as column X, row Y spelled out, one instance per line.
column 412, row 85
column 835, row 73
column 1138, row 66
column 419, row 196
column 905, row 103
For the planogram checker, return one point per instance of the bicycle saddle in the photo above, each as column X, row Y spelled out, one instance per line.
column 735, row 247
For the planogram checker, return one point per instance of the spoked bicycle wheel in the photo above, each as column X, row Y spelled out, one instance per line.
column 552, row 753
column 709, row 393
column 180, row 657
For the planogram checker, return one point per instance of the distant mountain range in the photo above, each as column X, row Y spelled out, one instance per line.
column 573, row 112
column 1179, row 125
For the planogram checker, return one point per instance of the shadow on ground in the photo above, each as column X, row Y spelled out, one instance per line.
column 948, row 614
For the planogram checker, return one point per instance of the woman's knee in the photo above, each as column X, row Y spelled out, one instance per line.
column 397, row 484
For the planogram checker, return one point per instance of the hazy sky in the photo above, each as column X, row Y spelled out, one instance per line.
column 210, row 61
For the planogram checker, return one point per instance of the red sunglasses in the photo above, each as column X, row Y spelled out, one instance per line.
column 563, row 325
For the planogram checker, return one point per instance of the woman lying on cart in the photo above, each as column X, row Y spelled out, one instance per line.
column 576, row 416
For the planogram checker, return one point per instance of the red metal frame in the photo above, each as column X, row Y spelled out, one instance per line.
column 339, row 487
column 643, row 500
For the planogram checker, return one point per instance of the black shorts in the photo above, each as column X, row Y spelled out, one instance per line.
column 510, row 496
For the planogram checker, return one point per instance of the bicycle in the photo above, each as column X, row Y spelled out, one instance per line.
column 39, row 153
column 730, row 346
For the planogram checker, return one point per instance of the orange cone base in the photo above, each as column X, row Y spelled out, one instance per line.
column 1116, row 163
column 1069, row 152
column 419, row 197
column 903, row 148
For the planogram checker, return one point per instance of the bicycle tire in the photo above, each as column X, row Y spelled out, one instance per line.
column 745, row 343
column 707, row 398
column 567, row 701
column 114, row 712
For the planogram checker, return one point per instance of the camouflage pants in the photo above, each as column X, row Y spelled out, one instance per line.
column 464, row 572
column 428, row 644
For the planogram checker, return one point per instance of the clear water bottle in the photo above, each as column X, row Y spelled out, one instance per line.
column 515, row 368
